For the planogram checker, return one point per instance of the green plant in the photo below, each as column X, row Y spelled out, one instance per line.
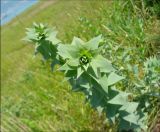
column 88, row 71
column 45, row 41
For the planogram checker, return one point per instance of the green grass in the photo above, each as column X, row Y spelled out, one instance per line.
column 33, row 97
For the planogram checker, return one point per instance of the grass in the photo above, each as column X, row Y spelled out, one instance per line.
column 33, row 97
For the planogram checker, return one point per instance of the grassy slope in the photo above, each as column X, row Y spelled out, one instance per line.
column 33, row 98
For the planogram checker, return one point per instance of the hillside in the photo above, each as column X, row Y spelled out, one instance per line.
column 33, row 96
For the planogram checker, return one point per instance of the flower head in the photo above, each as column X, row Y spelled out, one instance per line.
column 81, row 56
column 41, row 32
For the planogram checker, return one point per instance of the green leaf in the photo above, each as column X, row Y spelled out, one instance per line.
column 63, row 51
column 73, row 62
column 91, row 73
column 102, row 63
column 52, row 38
column 113, row 78
column 71, row 73
column 85, row 67
column 126, row 125
column 68, row 51
column 93, row 43
column 130, row 107
column 80, row 83
column 79, row 71
column 132, row 118
column 77, row 42
column 100, row 110
column 46, row 49
column 112, row 92
column 30, row 35
column 87, row 86
column 120, row 99
column 97, row 98
column 103, row 83
column 65, row 67
column 112, row 111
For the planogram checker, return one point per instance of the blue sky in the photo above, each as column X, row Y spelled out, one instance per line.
column 12, row 8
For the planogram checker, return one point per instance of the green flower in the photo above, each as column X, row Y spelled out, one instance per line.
column 83, row 57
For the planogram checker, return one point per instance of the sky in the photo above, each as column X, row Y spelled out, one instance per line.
column 12, row 8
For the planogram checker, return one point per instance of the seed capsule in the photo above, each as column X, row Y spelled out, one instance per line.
column 84, row 60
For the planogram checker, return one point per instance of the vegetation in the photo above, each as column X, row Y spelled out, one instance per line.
column 32, row 95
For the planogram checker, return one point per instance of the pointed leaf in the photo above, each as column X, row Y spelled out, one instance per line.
column 68, row 51
column 102, row 63
column 79, row 72
column 130, row 107
column 111, row 112
column 65, row 67
column 120, row 99
column 73, row 62
column 132, row 118
column 94, row 43
column 87, row 86
column 52, row 38
column 63, row 51
column 114, row 78
column 77, row 41
column 103, row 83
